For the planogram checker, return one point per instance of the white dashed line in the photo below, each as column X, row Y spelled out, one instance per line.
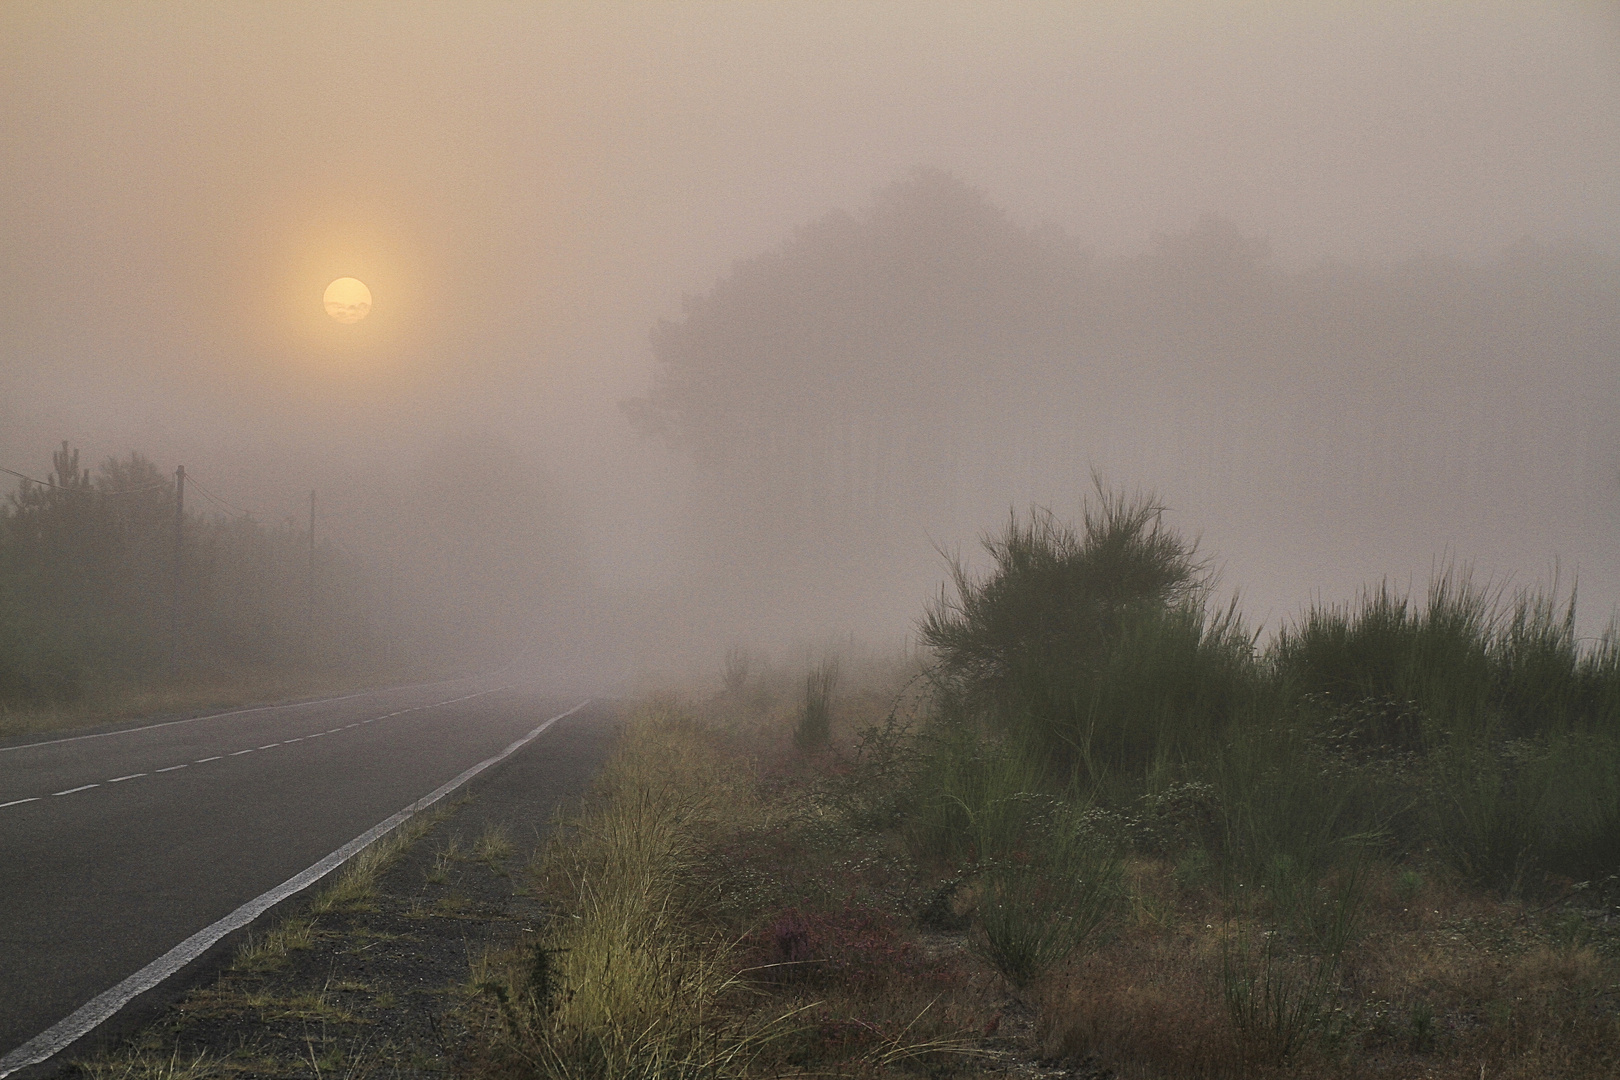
column 233, row 712
column 91, row 1014
column 239, row 753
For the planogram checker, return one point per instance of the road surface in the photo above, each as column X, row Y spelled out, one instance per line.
column 116, row 847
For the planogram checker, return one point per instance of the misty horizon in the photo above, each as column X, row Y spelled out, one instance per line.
column 1339, row 287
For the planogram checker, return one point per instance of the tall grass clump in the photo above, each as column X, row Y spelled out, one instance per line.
column 1045, row 880
column 1091, row 646
column 739, row 664
column 1046, row 883
column 1510, row 725
column 1274, row 998
column 1462, row 665
column 814, row 729
column 629, row 985
column 1288, row 814
column 1401, row 673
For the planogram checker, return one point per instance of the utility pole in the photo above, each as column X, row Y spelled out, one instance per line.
column 179, row 561
column 309, row 617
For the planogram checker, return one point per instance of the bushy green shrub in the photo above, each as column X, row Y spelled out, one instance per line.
column 1396, row 675
column 1466, row 723
column 1169, row 686
column 1092, row 646
column 1428, row 669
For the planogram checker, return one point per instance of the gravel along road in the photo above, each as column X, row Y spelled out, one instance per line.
column 125, row 854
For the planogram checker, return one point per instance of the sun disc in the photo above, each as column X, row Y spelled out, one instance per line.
column 348, row 300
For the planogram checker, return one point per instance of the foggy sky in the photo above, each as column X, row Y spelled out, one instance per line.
column 528, row 188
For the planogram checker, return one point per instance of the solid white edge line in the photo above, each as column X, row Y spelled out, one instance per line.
column 88, row 1016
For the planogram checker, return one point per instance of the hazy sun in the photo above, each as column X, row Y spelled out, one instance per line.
column 348, row 300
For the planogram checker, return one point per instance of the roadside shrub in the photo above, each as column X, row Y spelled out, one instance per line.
column 1169, row 687
column 970, row 794
column 1431, row 667
column 1282, row 802
column 1090, row 645
column 1396, row 675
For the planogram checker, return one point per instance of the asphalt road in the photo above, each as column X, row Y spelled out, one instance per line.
column 116, row 847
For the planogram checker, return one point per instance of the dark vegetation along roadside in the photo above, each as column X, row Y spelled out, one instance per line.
column 111, row 604
column 1096, row 831
column 1092, row 831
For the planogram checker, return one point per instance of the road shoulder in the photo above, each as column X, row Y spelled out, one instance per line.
column 370, row 971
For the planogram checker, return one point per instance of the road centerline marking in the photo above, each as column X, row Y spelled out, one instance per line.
column 19, row 802
column 121, row 779
column 171, row 768
column 71, row 790
column 239, row 753
column 91, row 1014
column 200, row 760
column 236, row 712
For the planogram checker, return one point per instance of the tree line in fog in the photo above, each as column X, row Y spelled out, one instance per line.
column 102, row 582
column 905, row 373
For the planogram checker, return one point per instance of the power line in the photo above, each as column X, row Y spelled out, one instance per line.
column 134, row 491
column 30, row 479
column 53, row 485
column 227, row 505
